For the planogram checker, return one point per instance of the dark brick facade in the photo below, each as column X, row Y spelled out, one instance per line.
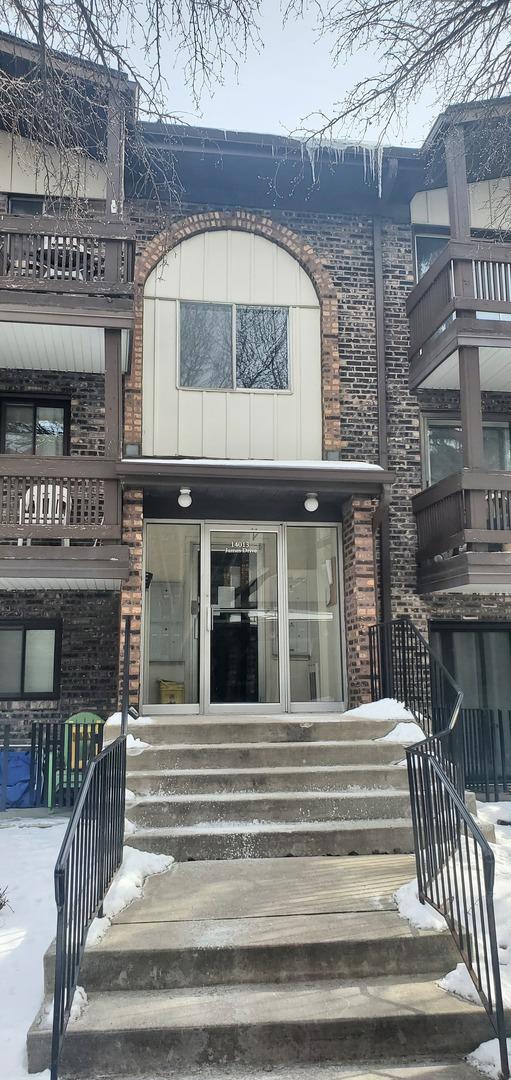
column 89, row 661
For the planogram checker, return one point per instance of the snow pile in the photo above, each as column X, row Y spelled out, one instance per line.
column 423, row 916
column 384, row 709
column 130, row 796
column 28, row 851
column 487, row 1058
column 127, row 886
column 135, row 746
column 80, row 1002
column 406, row 733
column 115, row 720
column 459, row 983
column 129, row 827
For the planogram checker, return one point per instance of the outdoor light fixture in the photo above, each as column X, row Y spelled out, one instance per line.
column 185, row 498
column 311, row 502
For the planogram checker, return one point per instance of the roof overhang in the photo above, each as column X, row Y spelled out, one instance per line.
column 332, row 476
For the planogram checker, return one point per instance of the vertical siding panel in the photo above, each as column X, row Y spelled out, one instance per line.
column 233, row 267
column 148, row 402
column 238, row 426
column 216, row 263
column 240, row 258
column 192, row 268
column 165, row 394
column 263, row 280
column 214, row 425
column 262, row 426
column 190, row 424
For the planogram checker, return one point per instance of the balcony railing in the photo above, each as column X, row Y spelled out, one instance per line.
column 67, row 498
column 470, row 510
column 466, row 280
column 51, row 255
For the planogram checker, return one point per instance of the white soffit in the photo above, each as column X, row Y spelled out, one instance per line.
column 8, row 584
column 49, row 347
column 495, row 368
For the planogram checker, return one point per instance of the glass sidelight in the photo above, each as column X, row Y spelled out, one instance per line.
column 315, row 664
column 243, row 617
column 172, row 614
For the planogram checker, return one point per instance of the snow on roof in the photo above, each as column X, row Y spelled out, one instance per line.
column 266, row 463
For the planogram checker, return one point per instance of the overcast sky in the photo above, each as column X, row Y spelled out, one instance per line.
column 291, row 78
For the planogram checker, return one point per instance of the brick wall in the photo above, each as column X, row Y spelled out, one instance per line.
column 342, row 245
column 132, row 589
column 86, row 396
column 359, row 595
column 90, row 635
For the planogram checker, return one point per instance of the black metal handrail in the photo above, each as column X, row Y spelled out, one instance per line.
column 456, row 874
column 487, row 746
column 455, row 864
column 90, row 855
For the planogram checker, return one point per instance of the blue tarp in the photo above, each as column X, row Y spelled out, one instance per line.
column 18, row 778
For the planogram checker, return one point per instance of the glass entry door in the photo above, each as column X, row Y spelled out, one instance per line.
column 242, row 636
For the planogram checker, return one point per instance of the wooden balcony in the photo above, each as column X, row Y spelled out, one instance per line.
column 60, row 520
column 464, row 533
column 66, row 267
column 463, row 299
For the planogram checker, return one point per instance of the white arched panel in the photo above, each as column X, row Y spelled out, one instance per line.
column 228, row 266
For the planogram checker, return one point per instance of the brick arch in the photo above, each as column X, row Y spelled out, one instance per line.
column 299, row 249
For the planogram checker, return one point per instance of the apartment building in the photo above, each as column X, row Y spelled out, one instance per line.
column 256, row 417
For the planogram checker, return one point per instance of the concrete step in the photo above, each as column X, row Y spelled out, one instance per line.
column 302, row 806
column 247, row 840
column 258, row 1025
column 174, row 955
column 389, row 1070
column 263, row 755
column 315, row 778
column 246, row 729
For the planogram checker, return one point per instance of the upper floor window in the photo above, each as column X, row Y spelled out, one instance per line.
column 233, row 346
column 33, row 427
column 444, row 448
column 26, row 204
column 427, row 248
column 29, row 658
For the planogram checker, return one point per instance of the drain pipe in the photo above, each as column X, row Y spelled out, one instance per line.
column 381, row 517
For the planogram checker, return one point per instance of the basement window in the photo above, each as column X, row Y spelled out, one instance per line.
column 233, row 346
column 29, row 658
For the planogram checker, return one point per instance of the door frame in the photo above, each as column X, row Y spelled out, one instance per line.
column 272, row 707
column 285, row 705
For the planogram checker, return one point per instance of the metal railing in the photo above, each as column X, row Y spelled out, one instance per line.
column 455, row 864
column 487, row 747
column 90, row 855
column 456, row 874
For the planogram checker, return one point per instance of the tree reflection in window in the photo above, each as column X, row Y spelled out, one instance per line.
column 261, row 348
column 206, row 345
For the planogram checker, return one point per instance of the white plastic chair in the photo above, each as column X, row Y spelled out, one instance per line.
column 44, row 504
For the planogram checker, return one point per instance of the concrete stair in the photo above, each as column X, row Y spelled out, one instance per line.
column 269, row 964
column 240, row 962
column 265, row 786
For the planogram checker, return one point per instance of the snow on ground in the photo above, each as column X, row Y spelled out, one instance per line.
column 384, row 709
column 135, row 746
column 115, row 720
column 406, row 733
column 487, row 1058
column 459, row 983
column 423, row 916
column 28, row 851
column 127, row 886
